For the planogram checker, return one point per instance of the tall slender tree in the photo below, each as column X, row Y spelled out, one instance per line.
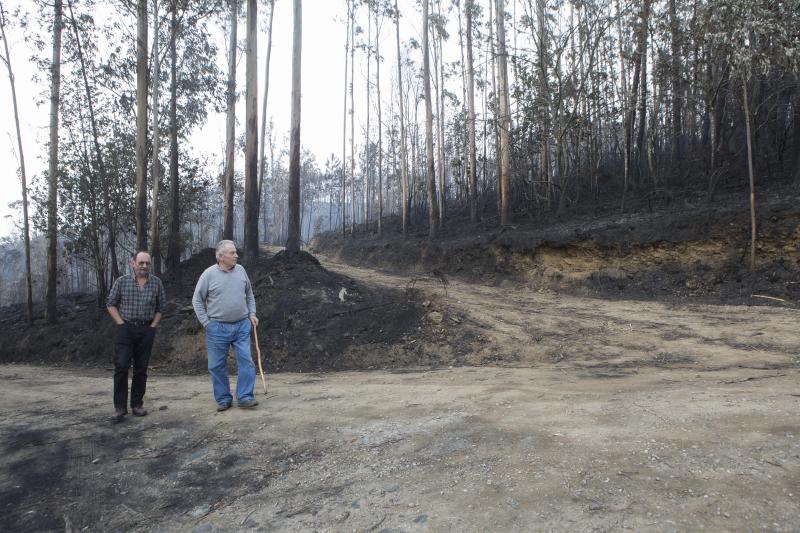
column 141, row 125
column 230, row 124
column 251, row 207
column 174, row 245
column 352, row 121
column 155, row 245
column 505, row 113
column 52, row 175
column 26, row 236
column 293, row 240
column 472, row 179
column 344, row 125
column 380, row 117
column 440, row 114
column 261, row 158
column 433, row 211
column 367, row 159
column 403, row 146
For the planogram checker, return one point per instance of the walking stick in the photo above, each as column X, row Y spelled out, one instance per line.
column 258, row 352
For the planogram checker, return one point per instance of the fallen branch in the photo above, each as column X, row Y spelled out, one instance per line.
column 767, row 297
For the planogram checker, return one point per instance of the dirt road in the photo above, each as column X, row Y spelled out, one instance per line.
column 611, row 415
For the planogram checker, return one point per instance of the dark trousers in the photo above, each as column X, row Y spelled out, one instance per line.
column 132, row 345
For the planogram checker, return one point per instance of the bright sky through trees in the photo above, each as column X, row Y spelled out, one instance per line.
column 323, row 66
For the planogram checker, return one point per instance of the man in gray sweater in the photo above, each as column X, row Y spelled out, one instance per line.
column 223, row 302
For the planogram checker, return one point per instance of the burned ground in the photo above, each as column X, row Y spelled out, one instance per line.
column 314, row 318
column 310, row 319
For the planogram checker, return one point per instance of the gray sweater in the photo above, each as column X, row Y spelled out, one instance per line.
column 223, row 296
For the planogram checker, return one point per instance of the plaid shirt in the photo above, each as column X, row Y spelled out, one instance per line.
column 134, row 303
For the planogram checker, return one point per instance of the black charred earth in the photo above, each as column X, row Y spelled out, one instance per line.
column 311, row 319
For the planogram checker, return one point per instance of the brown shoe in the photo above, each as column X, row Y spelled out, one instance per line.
column 138, row 411
column 119, row 414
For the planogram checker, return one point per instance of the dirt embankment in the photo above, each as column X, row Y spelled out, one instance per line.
column 687, row 250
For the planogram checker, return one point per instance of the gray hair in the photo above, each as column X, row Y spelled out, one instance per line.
column 221, row 247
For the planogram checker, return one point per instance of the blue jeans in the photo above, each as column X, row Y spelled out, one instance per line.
column 219, row 337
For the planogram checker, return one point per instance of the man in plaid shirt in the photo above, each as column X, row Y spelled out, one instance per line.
column 135, row 303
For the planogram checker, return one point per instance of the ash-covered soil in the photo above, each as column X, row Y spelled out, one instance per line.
column 310, row 319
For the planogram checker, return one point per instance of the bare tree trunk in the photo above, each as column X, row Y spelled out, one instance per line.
column 293, row 240
column 675, row 74
column 174, row 243
column 23, row 177
column 640, row 142
column 496, row 121
column 251, row 209
column 367, row 162
column 433, row 215
column 230, row 125
column 141, row 126
column 630, row 115
column 261, row 159
column 52, row 191
column 155, row 245
column 380, row 120
column 505, row 118
column 472, row 177
column 752, row 177
column 344, row 124
column 440, row 118
column 403, row 146
column 463, row 156
column 545, row 103
column 414, row 164
column 352, row 123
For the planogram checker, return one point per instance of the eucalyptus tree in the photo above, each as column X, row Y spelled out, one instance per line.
column 230, row 122
column 504, row 113
column 194, row 85
column 155, row 246
column 261, row 158
column 141, row 125
column 433, row 211
column 344, row 122
column 53, row 168
column 251, row 207
column 174, row 245
column 352, row 120
column 403, row 146
column 23, row 177
column 367, row 47
column 472, row 180
column 440, row 34
column 378, row 20
column 293, row 237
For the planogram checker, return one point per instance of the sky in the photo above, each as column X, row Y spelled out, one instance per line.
column 322, row 89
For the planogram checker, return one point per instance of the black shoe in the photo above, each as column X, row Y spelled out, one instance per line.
column 119, row 414
column 223, row 406
column 247, row 404
column 139, row 411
